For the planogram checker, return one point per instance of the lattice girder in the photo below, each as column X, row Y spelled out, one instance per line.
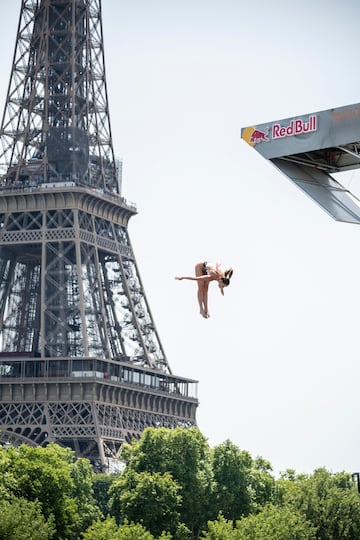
column 56, row 122
column 81, row 361
column 82, row 285
column 94, row 427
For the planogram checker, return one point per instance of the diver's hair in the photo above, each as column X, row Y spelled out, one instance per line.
column 227, row 276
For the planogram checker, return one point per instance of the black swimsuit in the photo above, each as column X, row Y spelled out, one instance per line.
column 204, row 268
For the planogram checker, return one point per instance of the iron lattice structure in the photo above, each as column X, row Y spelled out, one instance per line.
column 81, row 361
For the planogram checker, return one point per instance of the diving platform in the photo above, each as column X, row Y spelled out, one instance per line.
column 312, row 148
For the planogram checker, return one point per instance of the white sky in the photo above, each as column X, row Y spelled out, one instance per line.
column 278, row 361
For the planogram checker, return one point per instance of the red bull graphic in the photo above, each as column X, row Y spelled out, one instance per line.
column 254, row 136
column 259, row 136
column 295, row 127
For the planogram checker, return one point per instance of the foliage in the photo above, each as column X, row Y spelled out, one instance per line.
column 185, row 454
column 241, row 483
column 101, row 483
column 173, row 487
column 220, row 529
column 60, row 484
column 102, row 530
column 231, row 468
column 272, row 523
column 108, row 530
column 131, row 531
column 329, row 501
column 82, row 492
column 8, row 482
column 261, row 483
column 23, row 520
column 151, row 499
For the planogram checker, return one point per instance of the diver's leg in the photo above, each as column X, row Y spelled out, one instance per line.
column 205, row 299
column 200, row 296
column 199, row 271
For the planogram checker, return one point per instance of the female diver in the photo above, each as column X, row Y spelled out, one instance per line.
column 204, row 273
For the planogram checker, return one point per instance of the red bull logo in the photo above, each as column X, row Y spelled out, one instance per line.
column 296, row 126
column 259, row 136
column 254, row 136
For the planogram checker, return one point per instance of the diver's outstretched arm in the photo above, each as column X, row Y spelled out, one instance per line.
column 192, row 278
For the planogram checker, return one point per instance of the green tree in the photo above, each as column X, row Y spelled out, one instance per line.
column 82, row 493
column 329, row 501
column 242, row 485
column 8, row 482
column 274, row 523
column 220, row 529
column 23, row 520
column 102, row 530
column 231, row 469
column 149, row 498
column 61, row 485
column 262, row 483
column 108, row 530
column 101, row 484
column 186, row 455
column 135, row 531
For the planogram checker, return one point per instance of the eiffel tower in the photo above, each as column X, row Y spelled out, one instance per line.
column 81, row 361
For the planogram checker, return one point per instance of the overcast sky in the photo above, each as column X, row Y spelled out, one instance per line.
column 278, row 360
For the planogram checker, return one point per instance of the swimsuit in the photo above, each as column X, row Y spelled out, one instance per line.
column 204, row 268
